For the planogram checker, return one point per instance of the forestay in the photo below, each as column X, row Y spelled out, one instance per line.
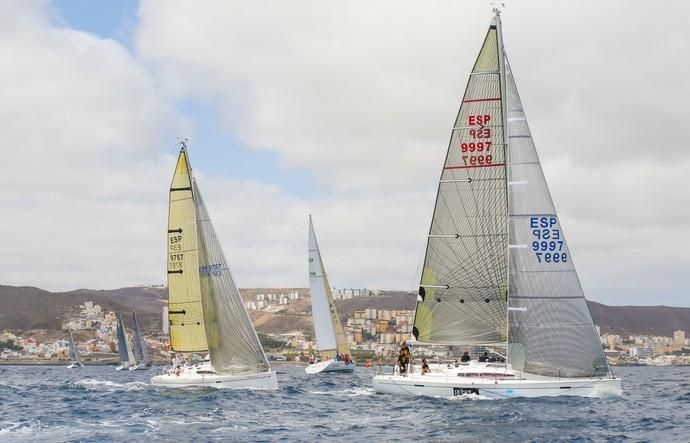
column 327, row 327
column 233, row 344
column 187, row 333
column 463, row 287
column 551, row 329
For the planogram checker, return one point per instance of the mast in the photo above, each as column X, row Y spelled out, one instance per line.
column 506, row 148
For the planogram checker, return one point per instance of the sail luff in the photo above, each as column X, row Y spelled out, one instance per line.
column 506, row 142
column 330, row 337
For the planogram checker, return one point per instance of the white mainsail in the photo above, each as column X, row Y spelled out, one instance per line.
column 497, row 269
column 330, row 337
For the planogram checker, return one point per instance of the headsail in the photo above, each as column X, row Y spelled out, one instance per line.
column 464, row 283
column 232, row 341
column 551, row 329
column 185, row 314
column 123, row 347
column 327, row 328
column 74, row 352
column 141, row 352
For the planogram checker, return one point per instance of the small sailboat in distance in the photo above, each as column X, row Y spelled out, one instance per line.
column 206, row 312
column 74, row 353
column 123, row 347
column 331, row 343
column 498, row 274
column 141, row 352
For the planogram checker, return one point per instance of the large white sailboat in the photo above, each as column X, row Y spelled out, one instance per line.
column 498, row 272
column 74, row 353
column 331, row 344
column 206, row 312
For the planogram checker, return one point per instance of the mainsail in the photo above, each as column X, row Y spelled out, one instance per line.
column 141, row 352
column 551, row 329
column 497, row 268
column 73, row 351
column 233, row 344
column 463, row 289
column 330, row 337
column 187, row 333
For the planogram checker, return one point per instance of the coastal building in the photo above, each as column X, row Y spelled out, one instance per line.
column 679, row 339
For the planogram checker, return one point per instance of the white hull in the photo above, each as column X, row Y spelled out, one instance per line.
column 330, row 366
column 205, row 377
column 121, row 367
column 74, row 364
column 489, row 381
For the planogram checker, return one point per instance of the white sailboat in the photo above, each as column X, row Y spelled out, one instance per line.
column 74, row 353
column 123, row 348
column 498, row 272
column 206, row 312
column 141, row 352
column 330, row 338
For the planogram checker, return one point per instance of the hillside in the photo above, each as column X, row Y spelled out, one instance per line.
column 33, row 308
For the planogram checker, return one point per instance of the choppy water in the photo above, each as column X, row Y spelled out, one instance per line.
column 99, row 404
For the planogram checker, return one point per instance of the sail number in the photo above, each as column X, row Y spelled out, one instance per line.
column 175, row 244
column 476, row 152
column 547, row 243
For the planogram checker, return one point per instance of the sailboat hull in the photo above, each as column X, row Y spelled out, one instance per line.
column 190, row 378
column 492, row 383
column 329, row 366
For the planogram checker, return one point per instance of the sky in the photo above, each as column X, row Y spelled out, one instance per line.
column 341, row 110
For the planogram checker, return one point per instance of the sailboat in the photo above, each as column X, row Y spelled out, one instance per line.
column 498, row 273
column 74, row 353
column 205, row 310
column 330, row 338
column 141, row 352
column 123, row 347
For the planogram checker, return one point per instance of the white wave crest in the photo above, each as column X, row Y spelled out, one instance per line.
column 353, row 392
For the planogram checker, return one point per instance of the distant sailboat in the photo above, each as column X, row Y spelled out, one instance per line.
column 74, row 353
column 141, row 352
column 330, row 338
column 123, row 347
column 206, row 311
column 498, row 273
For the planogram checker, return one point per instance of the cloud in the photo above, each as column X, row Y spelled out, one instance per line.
column 81, row 170
column 363, row 94
column 360, row 95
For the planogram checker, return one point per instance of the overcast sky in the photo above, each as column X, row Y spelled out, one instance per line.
column 338, row 109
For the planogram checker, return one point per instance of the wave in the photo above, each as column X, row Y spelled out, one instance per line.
column 353, row 392
column 95, row 384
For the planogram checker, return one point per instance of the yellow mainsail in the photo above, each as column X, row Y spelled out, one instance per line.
column 187, row 331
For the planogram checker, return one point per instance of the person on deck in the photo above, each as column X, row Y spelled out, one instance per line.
column 404, row 358
column 484, row 358
column 425, row 367
column 465, row 357
column 337, row 356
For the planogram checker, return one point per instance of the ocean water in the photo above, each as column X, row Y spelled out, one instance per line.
column 52, row 403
